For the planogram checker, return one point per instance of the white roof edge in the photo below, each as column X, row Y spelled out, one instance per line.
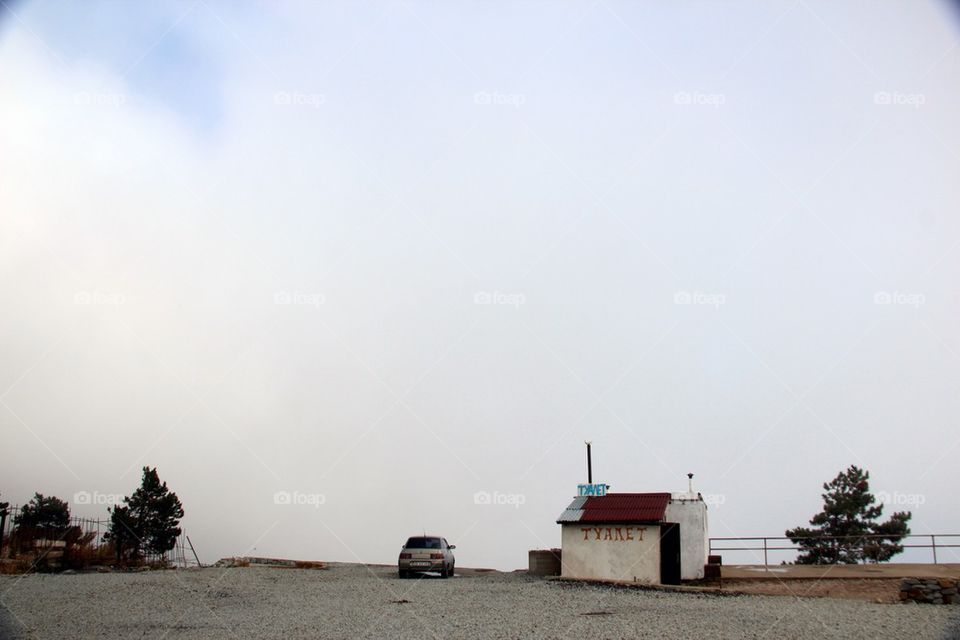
column 686, row 495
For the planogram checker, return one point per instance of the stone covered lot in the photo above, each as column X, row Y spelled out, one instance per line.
column 355, row 601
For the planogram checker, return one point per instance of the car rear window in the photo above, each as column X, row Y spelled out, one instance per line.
column 423, row 543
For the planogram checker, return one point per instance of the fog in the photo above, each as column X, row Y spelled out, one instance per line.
column 347, row 273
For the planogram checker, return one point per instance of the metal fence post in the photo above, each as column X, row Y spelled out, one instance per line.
column 3, row 527
column 933, row 545
column 764, row 552
column 195, row 556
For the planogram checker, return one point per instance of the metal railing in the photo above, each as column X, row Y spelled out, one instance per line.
column 952, row 542
column 90, row 530
column 86, row 531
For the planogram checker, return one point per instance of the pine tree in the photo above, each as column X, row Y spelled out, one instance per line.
column 163, row 515
column 849, row 520
column 123, row 534
column 47, row 514
column 149, row 521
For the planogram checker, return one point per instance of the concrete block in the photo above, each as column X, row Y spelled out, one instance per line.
column 544, row 562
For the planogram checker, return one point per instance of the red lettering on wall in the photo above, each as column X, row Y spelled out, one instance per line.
column 618, row 534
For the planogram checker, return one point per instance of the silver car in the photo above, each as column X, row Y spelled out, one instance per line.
column 426, row 553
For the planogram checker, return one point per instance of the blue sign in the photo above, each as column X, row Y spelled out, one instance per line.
column 592, row 489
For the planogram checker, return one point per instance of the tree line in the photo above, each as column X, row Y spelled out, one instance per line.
column 147, row 523
column 847, row 531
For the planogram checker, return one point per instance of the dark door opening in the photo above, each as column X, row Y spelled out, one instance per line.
column 669, row 553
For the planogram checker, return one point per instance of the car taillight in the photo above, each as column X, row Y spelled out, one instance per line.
column 436, row 556
column 405, row 556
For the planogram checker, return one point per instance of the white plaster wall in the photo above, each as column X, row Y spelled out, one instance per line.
column 691, row 515
column 616, row 558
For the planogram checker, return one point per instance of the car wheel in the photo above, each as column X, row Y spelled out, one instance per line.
column 451, row 569
column 403, row 574
column 444, row 573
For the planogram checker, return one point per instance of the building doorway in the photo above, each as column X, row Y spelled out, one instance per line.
column 669, row 553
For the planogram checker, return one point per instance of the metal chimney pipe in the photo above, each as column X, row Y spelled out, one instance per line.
column 589, row 465
column 690, row 482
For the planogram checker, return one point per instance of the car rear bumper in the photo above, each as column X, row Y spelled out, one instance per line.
column 420, row 565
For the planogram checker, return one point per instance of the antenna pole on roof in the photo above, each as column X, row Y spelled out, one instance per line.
column 589, row 464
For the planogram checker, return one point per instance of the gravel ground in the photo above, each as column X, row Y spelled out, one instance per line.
column 351, row 601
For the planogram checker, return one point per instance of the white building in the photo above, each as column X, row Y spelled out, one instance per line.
column 654, row 538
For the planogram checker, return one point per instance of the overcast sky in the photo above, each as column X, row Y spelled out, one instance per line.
column 390, row 259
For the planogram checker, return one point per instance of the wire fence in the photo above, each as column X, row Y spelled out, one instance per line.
column 777, row 545
column 81, row 538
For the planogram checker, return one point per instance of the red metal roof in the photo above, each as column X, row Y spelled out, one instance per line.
column 618, row 508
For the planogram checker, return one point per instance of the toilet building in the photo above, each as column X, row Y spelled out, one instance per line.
column 654, row 538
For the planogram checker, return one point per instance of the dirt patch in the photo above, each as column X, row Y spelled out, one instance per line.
column 887, row 570
column 881, row 590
